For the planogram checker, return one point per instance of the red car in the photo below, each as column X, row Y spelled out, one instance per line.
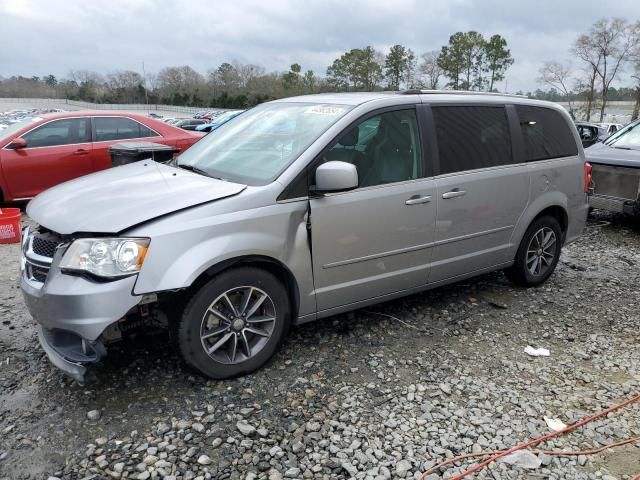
column 40, row 152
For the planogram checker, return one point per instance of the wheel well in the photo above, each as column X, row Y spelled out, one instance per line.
column 276, row 268
column 559, row 214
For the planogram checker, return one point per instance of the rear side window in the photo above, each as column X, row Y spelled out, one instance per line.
column 546, row 134
column 120, row 128
column 472, row 137
column 67, row 131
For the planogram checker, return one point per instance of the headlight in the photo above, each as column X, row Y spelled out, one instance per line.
column 106, row 257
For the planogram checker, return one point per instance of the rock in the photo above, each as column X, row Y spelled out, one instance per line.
column 198, row 427
column 350, row 469
column 94, row 415
column 445, row 388
column 246, row 429
column 293, row 472
column 313, row 426
column 204, row 460
column 402, row 468
column 216, row 442
column 274, row 474
column 162, row 428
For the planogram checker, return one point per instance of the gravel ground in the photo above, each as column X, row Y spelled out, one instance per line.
column 384, row 392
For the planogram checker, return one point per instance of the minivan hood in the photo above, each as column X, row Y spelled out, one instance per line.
column 604, row 154
column 115, row 199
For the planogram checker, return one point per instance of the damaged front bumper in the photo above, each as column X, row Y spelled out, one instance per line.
column 76, row 370
column 72, row 311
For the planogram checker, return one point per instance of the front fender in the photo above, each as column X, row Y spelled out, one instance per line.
column 185, row 246
column 182, row 270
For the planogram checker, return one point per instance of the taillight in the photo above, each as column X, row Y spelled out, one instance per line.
column 587, row 177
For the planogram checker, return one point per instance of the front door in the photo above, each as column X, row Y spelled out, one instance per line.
column 481, row 192
column 375, row 240
column 56, row 151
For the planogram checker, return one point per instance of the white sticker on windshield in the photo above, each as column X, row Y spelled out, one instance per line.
column 331, row 110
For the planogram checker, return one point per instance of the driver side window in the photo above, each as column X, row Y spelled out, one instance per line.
column 59, row 132
column 384, row 148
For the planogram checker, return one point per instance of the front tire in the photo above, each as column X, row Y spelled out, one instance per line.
column 538, row 253
column 235, row 323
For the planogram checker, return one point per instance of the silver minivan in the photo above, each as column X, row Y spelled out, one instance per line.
column 299, row 209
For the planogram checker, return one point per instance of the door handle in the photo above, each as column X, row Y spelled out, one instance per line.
column 417, row 199
column 81, row 151
column 454, row 193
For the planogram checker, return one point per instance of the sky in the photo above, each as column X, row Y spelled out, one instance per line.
column 56, row 36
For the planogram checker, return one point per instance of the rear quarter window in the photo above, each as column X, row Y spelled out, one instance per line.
column 545, row 133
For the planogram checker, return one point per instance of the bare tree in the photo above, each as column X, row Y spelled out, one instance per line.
column 127, row 85
column 616, row 40
column 584, row 49
column 636, row 77
column 247, row 72
column 429, row 70
column 558, row 76
column 151, row 80
column 91, row 84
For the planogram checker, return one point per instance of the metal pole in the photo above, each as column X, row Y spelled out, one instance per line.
column 146, row 93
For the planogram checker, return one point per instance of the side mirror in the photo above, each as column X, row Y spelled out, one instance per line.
column 335, row 176
column 17, row 144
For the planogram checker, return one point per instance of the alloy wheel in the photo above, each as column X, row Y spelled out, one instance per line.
column 237, row 325
column 541, row 251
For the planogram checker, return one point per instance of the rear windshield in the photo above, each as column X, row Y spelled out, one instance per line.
column 261, row 143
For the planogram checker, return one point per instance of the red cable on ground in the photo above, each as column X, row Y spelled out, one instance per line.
column 542, row 439
column 558, row 453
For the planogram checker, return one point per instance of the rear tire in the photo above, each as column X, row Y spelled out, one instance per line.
column 234, row 323
column 538, row 253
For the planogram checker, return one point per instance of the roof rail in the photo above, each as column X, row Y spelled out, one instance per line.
column 415, row 91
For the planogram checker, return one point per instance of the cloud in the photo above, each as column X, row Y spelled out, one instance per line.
column 55, row 36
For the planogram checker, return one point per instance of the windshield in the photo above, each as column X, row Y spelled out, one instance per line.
column 14, row 127
column 628, row 137
column 258, row 145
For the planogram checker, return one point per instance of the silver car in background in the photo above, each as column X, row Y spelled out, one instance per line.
column 299, row 209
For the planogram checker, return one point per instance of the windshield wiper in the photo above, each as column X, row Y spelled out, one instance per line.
column 193, row 168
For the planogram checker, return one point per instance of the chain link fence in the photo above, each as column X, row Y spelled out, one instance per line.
column 78, row 105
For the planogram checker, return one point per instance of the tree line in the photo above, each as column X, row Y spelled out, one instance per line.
column 610, row 47
column 467, row 62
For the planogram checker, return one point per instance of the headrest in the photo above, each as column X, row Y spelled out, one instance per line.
column 350, row 138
